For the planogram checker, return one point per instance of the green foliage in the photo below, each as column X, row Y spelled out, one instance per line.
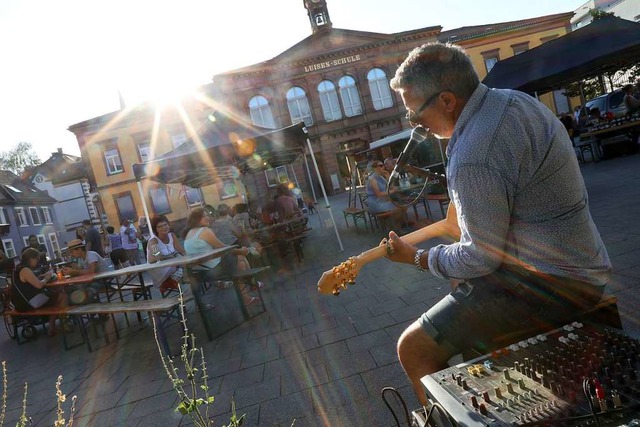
column 19, row 159
column 600, row 14
column 195, row 372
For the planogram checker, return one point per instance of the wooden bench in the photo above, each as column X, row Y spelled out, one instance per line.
column 162, row 311
column 604, row 313
column 14, row 320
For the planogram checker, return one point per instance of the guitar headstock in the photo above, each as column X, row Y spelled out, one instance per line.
column 339, row 277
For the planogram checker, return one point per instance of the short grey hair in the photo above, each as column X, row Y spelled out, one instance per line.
column 435, row 67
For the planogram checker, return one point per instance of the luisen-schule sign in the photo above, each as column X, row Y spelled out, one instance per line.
column 333, row 63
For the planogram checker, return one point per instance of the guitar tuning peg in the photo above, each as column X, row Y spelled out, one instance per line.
column 351, row 282
column 336, row 292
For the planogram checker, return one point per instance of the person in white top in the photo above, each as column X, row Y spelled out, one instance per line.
column 164, row 245
column 129, row 237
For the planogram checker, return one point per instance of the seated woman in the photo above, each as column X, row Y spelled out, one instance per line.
column 28, row 290
column 164, row 245
column 199, row 237
column 378, row 200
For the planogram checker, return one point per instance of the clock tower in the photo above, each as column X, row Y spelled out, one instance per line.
column 318, row 14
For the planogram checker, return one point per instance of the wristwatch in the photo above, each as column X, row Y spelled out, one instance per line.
column 417, row 258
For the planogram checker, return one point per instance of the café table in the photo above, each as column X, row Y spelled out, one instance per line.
column 115, row 280
column 604, row 140
column 291, row 231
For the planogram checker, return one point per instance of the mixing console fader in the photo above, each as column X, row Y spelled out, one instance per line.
column 563, row 377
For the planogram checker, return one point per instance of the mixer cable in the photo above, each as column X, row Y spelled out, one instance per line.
column 434, row 406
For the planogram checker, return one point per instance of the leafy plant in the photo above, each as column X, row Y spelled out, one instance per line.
column 195, row 372
column 24, row 419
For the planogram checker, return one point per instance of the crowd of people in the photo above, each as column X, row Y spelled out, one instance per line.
column 583, row 118
column 95, row 251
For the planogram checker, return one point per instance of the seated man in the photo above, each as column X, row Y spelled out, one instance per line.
column 528, row 252
column 87, row 262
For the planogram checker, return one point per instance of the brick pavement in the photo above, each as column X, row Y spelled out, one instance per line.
column 321, row 361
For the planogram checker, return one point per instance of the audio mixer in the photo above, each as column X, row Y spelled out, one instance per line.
column 574, row 375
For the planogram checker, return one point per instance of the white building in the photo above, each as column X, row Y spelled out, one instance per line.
column 625, row 9
column 64, row 178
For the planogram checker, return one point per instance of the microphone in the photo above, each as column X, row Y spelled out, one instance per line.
column 418, row 135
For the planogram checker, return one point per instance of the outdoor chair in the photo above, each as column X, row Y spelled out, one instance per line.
column 354, row 212
column 384, row 218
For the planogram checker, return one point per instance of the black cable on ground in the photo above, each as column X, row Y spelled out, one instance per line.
column 402, row 402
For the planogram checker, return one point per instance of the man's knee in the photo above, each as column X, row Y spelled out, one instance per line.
column 419, row 353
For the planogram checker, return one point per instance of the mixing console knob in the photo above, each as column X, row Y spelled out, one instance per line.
column 521, row 384
column 485, row 397
column 498, row 393
column 474, row 401
column 459, row 380
column 509, row 388
column 506, row 374
column 483, row 410
column 464, row 384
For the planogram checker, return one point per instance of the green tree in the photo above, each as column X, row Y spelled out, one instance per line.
column 599, row 14
column 19, row 159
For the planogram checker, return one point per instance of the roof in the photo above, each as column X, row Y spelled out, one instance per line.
column 467, row 33
column 59, row 168
column 14, row 189
column 332, row 42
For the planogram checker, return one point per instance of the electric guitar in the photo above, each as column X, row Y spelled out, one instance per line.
column 343, row 275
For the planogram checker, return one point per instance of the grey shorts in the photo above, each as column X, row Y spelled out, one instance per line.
column 511, row 299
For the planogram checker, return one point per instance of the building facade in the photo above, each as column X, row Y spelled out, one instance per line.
column 25, row 210
column 64, row 178
column 111, row 144
column 336, row 81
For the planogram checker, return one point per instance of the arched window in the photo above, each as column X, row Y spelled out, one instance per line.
column 299, row 106
column 329, row 101
column 260, row 112
column 379, row 86
column 349, row 96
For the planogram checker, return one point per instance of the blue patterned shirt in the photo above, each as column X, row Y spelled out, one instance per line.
column 517, row 188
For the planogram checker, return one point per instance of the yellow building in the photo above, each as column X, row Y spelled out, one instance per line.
column 112, row 143
column 488, row 44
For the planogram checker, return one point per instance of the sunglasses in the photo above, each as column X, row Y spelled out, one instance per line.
column 412, row 117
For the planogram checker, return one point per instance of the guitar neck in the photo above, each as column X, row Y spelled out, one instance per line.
column 437, row 229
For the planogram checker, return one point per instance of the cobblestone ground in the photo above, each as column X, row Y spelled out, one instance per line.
column 318, row 360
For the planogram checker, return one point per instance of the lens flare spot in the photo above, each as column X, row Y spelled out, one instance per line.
column 152, row 169
column 234, row 172
column 245, row 147
column 229, row 188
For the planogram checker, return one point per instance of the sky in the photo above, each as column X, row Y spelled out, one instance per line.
column 65, row 61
